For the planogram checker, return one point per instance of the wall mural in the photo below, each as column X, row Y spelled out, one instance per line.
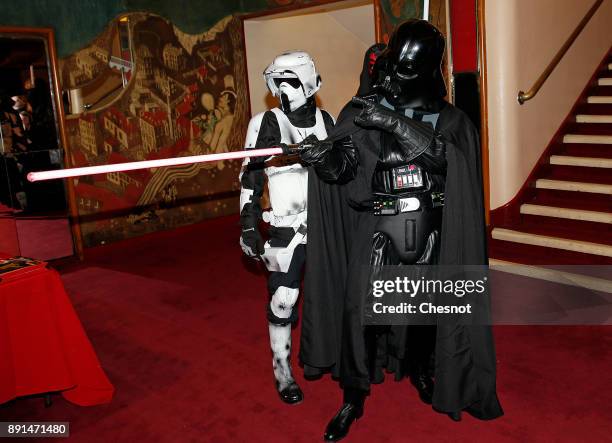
column 186, row 96
column 80, row 68
column 282, row 3
column 393, row 12
column 78, row 22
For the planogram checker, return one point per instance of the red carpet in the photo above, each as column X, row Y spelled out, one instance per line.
column 178, row 323
column 44, row 238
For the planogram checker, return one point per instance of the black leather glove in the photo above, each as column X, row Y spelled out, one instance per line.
column 334, row 161
column 313, row 151
column 418, row 140
column 251, row 242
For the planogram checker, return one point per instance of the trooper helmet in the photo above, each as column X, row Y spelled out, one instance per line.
column 408, row 72
column 293, row 78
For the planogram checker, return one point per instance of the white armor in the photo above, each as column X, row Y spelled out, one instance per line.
column 292, row 78
column 292, row 65
column 287, row 185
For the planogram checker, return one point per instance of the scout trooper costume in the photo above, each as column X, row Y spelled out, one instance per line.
column 292, row 77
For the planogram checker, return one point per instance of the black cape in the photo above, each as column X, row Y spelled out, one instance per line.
column 339, row 242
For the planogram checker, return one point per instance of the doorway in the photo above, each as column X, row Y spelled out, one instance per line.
column 336, row 35
column 30, row 141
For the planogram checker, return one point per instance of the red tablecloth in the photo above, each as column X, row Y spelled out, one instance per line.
column 43, row 347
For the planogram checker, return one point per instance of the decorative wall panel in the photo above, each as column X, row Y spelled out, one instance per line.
column 186, row 95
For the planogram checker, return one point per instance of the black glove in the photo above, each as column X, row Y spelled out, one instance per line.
column 334, row 161
column 417, row 139
column 251, row 242
column 313, row 151
column 306, row 147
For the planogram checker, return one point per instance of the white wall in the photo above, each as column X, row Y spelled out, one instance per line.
column 522, row 37
column 337, row 40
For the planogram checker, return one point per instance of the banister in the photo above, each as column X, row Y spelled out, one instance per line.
column 524, row 96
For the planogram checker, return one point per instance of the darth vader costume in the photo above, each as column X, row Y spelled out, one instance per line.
column 407, row 149
column 293, row 78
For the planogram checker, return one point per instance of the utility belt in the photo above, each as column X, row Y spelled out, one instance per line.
column 283, row 233
column 397, row 204
column 283, row 160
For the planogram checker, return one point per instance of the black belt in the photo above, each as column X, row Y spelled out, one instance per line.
column 395, row 204
column 284, row 233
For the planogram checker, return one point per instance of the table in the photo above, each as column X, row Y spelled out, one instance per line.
column 43, row 347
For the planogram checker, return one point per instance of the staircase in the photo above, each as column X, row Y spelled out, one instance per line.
column 563, row 215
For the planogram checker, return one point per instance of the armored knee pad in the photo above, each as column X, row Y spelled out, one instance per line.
column 280, row 308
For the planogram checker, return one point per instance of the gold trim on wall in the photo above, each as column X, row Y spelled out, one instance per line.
column 378, row 32
column 484, row 109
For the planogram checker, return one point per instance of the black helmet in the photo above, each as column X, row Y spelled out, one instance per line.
column 408, row 72
column 369, row 59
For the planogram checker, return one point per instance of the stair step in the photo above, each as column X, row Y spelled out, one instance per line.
column 585, row 138
column 573, row 230
column 574, row 186
column 600, row 91
column 577, row 174
column 589, row 129
column 591, row 162
column 583, row 150
column 569, row 213
column 594, row 283
column 586, row 118
column 604, row 81
column 594, row 108
column 573, row 200
column 552, row 242
column 602, row 99
column 539, row 255
column 567, row 228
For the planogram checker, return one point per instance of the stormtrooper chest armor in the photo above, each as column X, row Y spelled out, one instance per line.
column 288, row 185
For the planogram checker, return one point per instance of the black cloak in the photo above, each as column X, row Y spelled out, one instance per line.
column 339, row 243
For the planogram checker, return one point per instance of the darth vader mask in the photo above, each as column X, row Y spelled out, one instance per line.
column 408, row 72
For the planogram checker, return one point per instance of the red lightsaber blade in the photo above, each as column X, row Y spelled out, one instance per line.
column 146, row 164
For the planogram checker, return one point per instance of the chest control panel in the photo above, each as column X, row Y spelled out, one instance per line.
column 407, row 177
column 385, row 206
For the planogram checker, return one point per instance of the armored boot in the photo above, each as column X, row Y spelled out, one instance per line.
column 280, row 341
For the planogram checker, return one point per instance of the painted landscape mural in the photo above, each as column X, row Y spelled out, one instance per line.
column 185, row 95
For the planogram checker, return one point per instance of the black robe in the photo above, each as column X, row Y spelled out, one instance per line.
column 339, row 244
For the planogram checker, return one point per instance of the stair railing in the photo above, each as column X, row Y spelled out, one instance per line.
column 524, row 96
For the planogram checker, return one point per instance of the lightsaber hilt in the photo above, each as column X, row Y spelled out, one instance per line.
column 293, row 149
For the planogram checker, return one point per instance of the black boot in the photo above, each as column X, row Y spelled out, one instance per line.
column 424, row 385
column 292, row 394
column 351, row 410
column 455, row 416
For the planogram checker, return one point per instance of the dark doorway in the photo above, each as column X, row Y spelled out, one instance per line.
column 29, row 142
